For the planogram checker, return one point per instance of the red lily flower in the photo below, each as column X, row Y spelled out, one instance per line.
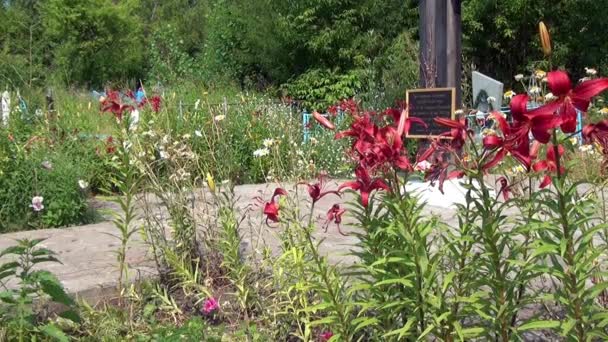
column 549, row 164
column 323, row 120
column 335, row 214
column 362, row 128
column 458, row 130
column 114, row 105
column 349, row 106
column 110, row 148
column 539, row 121
column 155, row 102
column 513, row 141
column 333, row 110
column 316, row 190
column 364, row 184
column 505, row 188
column 569, row 100
column 402, row 120
column 271, row 208
column 597, row 132
column 438, row 171
column 390, row 145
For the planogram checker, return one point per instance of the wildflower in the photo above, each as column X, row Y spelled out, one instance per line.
column 534, row 90
column 37, row 203
column 509, row 94
column 268, row 143
column 364, row 184
column 47, row 165
column 323, row 120
column 422, row 166
column 590, row 149
column 488, row 131
column 519, row 77
column 539, row 74
column 210, row 305
column 518, row 169
column 569, row 99
column 219, row 118
column 604, row 111
column 198, row 133
column 326, row 336
column 549, row 96
column 315, row 190
column 590, row 71
column 261, row 152
column 83, row 184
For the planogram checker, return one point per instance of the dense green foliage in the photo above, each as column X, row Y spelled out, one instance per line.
column 501, row 37
column 266, row 43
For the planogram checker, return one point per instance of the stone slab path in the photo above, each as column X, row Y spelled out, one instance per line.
column 87, row 253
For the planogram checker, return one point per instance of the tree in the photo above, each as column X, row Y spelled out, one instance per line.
column 92, row 42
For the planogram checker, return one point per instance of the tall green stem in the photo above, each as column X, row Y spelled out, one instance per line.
column 571, row 279
column 324, row 272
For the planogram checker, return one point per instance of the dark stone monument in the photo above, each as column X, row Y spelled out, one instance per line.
column 440, row 45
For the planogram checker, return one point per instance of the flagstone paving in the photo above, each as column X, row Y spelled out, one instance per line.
column 87, row 253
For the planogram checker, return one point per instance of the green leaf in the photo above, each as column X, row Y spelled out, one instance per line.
column 367, row 322
column 401, row 281
column 447, row 280
column 71, row 315
column 54, row 332
column 7, row 297
column 52, row 287
column 534, row 325
column 17, row 250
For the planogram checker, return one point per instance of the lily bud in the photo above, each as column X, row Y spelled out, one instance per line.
column 402, row 121
column 545, row 38
column 210, row 182
column 323, row 120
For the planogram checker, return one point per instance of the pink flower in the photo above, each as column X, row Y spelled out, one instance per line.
column 37, row 203
column 211, row 304
column 326, row 336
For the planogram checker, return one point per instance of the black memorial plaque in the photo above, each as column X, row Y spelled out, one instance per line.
column 427, row 104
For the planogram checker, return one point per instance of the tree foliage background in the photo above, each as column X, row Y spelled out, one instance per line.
column 294, row 46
